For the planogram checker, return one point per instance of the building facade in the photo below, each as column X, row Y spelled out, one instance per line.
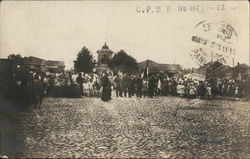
column 41, row 65
column 53, row 66
column 154, row 67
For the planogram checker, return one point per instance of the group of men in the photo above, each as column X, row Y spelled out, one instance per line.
column 129, row 85
column 25, row 88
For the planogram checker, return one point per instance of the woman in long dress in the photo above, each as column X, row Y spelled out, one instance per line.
column 106, row 88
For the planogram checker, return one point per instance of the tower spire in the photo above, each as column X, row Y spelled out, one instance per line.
column 105, row 46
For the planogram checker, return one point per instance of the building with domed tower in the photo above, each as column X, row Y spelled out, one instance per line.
column 104, row 54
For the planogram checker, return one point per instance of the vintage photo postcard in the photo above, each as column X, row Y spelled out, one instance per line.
column 124, row 79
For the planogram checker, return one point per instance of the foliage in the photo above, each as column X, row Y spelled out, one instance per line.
column 18, row 67
column 84, row 62
column 16, row 85
column 121, row 61
column 16, row 59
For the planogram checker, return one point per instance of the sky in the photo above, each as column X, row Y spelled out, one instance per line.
column 57, row 30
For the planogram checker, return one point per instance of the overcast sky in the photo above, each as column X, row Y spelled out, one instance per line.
column 58, row 30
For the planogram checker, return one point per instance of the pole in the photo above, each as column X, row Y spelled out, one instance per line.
column 211, row 66
column 147, row 69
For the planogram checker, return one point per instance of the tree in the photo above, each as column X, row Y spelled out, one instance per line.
column 16, row 59
column 84, row 61
column 17, row 63
column 121, row 61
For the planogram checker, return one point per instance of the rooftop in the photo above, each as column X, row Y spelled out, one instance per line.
column 156, row 67
column 105, row 48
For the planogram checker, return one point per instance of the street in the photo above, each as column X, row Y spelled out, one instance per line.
column 162, row 127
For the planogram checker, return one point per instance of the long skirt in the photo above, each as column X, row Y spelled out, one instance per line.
column 106, row 94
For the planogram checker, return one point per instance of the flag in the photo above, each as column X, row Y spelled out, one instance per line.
column 142, row 74
column 145, row 73
column 147, row 70
column 159, row 85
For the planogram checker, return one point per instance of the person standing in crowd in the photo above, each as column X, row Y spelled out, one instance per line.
column 236, row 93
column 117, row 85
column 241, row 89
column 246, row 88
column 232, row 89
column 121, row 85
column 224, row 88
column 96, row 87
column 90, row 83
column 155, row 79
column 174, row 87
column 192, row 91
column 151, row 86
column 139, row 86
column 186, row 88
column 219, row 86
column 79, row 80
column 130, row 86
column 213, row 85
column 228, row 88
column 50, row 85
column 106, row 88
column 170, row 86
column 125, row 85
column 111, row 86
column 202, row 90
column 145, row 87
column 181, row 89
column 208, row 89
column 39, row 88
column 134, row 82
column 164, row 87
column 86, row 87
column 159, row 87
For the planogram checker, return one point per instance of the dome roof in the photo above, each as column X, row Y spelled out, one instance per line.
column 105, row 48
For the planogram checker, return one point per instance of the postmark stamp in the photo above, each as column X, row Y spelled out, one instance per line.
column 213, row 42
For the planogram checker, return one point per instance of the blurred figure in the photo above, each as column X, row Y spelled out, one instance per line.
column 38, row 90
column 106, row 88
column 134, row 85
column 165, row 87
column 192, row 91
column 139, row 86
column 79, row 80
column 180, row 89
column 202, row 90
column 125, row 85
column 130, row 86
column 145, row 87
column 117, row 85
column 151, row 86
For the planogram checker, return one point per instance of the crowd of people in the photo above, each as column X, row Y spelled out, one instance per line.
column 30, row 87
column 155, row 85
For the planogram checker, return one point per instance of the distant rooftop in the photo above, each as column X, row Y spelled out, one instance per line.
column 156, row 67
